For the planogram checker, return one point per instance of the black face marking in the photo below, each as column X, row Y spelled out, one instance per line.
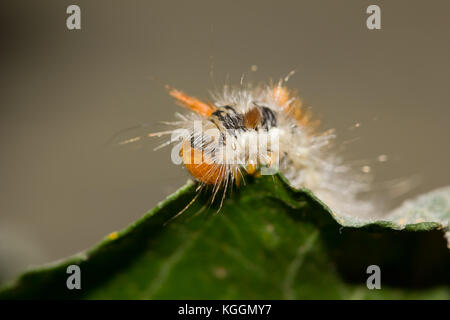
column 268, row 118
column 195, row 143
column 229, row 119
column 222, row 139
column 230, row 109
column 192, row 141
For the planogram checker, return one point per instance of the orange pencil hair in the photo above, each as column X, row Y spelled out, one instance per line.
column 192, row 103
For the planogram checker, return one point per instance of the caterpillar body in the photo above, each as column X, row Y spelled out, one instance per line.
column 258, row 130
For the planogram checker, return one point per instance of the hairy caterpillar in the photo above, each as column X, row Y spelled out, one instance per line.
column 258, row 130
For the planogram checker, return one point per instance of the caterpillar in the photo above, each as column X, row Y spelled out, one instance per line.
column 255, row 130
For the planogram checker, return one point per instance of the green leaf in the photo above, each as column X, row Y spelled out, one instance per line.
column 269, row 241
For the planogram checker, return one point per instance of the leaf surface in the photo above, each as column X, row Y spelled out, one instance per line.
column 269, row 241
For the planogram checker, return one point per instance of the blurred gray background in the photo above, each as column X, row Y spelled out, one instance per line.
column 65, row 94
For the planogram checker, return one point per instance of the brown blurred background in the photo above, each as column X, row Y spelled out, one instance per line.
column 64, row 94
